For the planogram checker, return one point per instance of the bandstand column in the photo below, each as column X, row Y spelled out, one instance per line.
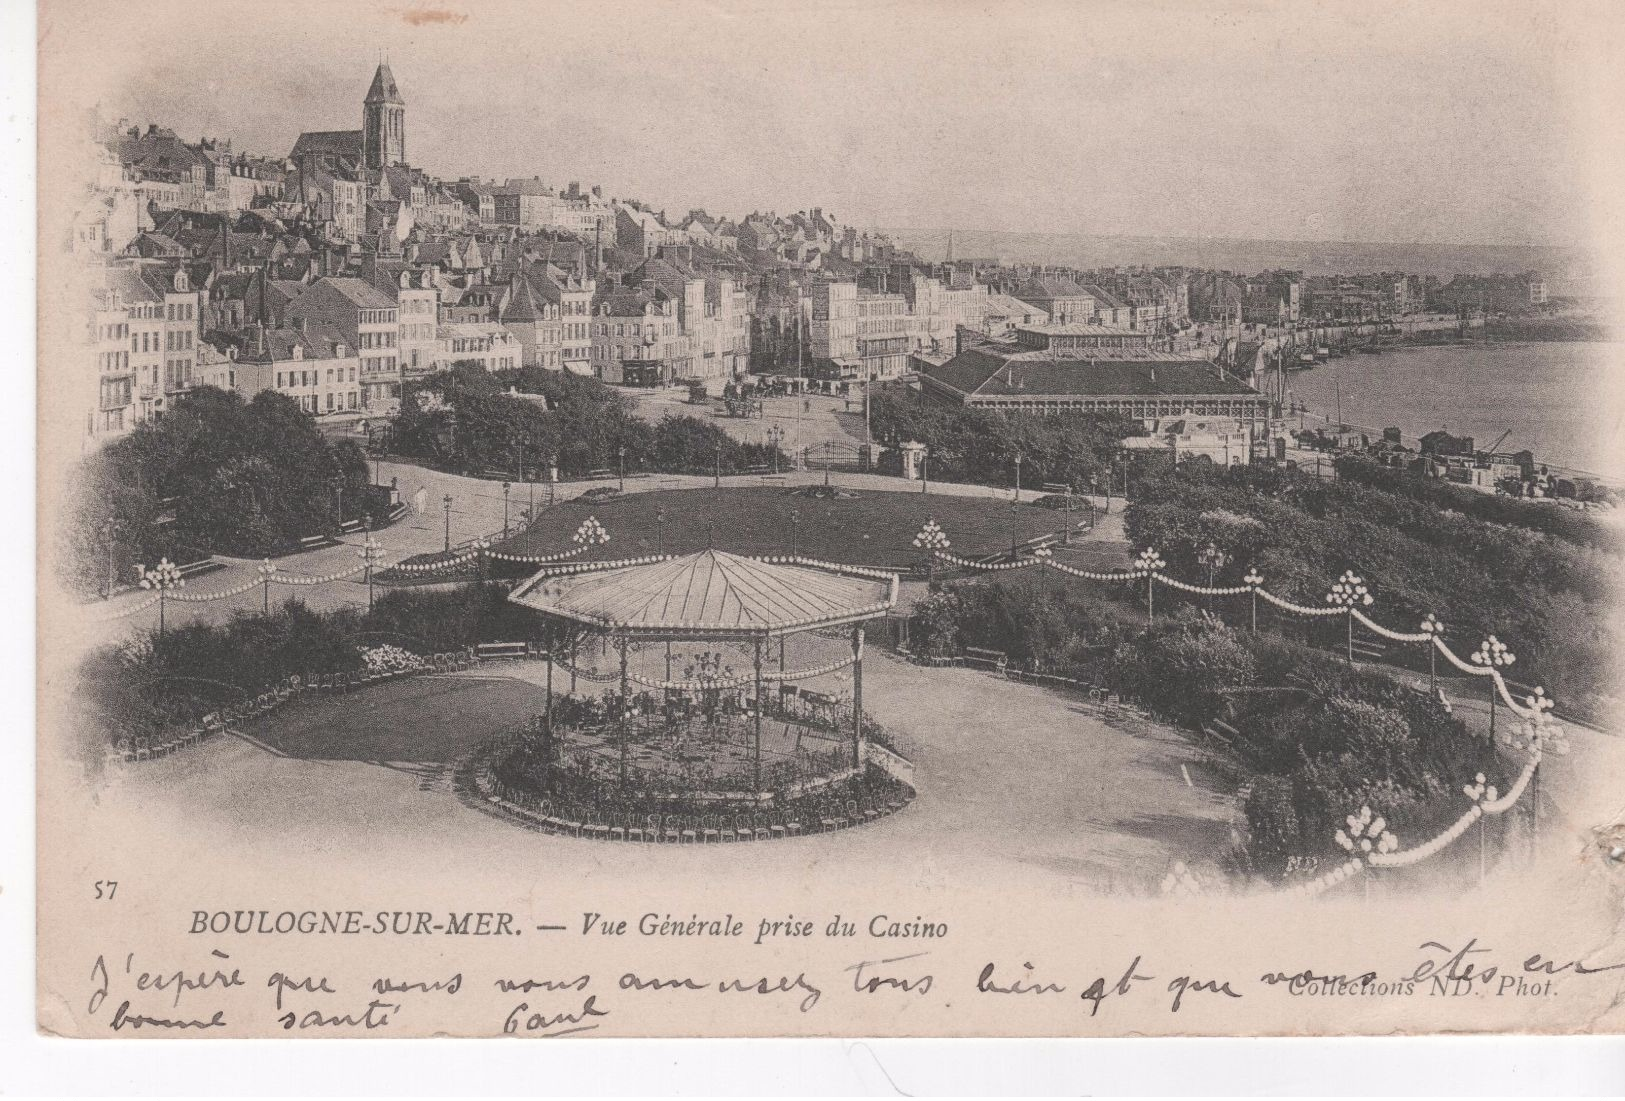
column 756, row 755
column 552, row 639
column 626, row 707
column 857, row 696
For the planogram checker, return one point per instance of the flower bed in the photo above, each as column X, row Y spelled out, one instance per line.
column 386, row 660
column 509, row 774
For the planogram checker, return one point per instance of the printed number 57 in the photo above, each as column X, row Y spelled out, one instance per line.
column 105, row 888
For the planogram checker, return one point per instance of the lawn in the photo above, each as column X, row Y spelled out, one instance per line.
column 417, row 719
column 867, row 528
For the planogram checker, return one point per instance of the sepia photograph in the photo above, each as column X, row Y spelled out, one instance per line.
column 829, row 520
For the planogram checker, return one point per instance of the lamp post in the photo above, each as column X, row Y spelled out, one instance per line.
column 1539, row 734
column 1253, row 580
column 933, row 540
column 1043, row 554
column 162, row 577
column 1433, row 628
column 775, row 437
column 1493, row 654
column 1018, row 478
column 506, row 489
column 338, row 491
column 371, row 553
column 265, row 569
column 1348, row 593
column 1149, row 563
column 445, row 503
column 925, row 470
column 826, row 462
column 660, row 533
column 552, row 477
column 620, row 456
column 716, row 479
column 795, row 519
column 1215, row 560
column 1480, row 792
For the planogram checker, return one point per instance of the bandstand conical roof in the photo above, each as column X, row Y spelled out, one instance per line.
column 710, row 592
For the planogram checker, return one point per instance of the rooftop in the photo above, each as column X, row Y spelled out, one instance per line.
column 709, row 592
column 1009, row 370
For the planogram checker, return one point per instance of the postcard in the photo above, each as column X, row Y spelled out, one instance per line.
column 829, row 520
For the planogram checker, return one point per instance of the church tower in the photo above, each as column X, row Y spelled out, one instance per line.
column 383, row 121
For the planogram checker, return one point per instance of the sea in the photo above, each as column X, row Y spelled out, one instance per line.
column 1563, row 401
column 1567, row 271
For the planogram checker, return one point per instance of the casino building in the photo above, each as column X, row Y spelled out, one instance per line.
column 1081, row 367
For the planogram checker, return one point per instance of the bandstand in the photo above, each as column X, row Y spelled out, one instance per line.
column 711, row 598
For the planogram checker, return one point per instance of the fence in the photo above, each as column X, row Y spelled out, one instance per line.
column 131, row 748
column 1372, row 846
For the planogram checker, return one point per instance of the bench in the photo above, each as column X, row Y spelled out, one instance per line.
column 1371, row 650
column 600, row 475
column 315, row 542
column 996, row 658
column 488, row 650
column 200, row 567
column 1222, row 732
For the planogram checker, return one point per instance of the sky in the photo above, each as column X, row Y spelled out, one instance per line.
column 1373, row 121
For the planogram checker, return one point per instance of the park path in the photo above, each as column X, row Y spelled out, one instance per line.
column 1015, row 782
column 477, row 507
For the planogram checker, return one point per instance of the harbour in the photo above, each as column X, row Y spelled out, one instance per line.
column 1563, row 401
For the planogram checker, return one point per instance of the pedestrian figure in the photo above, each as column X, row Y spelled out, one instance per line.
column 806, row 405
column 420, row 500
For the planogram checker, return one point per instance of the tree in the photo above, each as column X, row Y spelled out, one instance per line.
column 215, row 475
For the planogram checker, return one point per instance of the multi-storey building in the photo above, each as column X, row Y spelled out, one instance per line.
column 316, row 369
column 833, row 331
column 1060, row 296
column 575, row 311
column 643, row 232
column 724, row 338
column 144, row 329
column 418, row 300
column 367, row 320
column 144, row 311
column 637, row 338
column 179, row 173
column 109, row 334
column 532, row 314
column 182, row 317
column 883, row 339
column 528, row 204
column 485, row 343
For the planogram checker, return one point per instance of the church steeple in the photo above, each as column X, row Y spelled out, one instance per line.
column 383, row 121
